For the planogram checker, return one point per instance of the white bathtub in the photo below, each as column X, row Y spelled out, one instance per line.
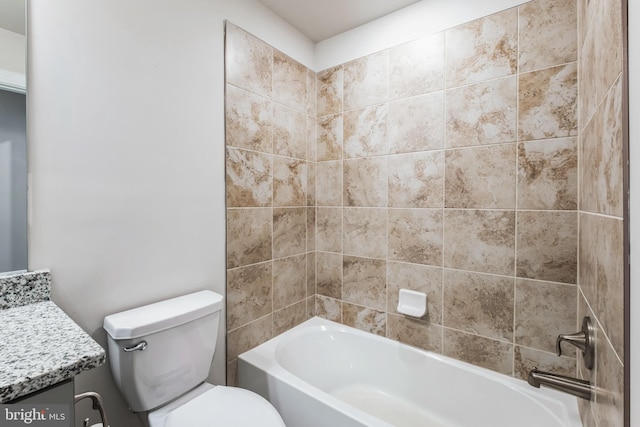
column 323, row 374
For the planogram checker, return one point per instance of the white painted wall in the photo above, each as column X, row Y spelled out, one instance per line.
column 415, row 21
column 126, row 133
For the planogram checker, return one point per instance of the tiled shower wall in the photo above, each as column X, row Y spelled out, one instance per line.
column 270, row 126
column 601, row 232
column 449, row 165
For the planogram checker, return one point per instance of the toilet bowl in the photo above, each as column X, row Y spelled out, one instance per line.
column 160, row 356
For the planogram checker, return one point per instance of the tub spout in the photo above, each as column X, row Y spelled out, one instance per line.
column 574, row 386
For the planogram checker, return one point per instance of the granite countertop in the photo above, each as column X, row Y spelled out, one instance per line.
column 41, row 345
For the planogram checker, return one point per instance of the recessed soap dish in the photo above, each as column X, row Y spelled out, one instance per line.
column 412, row 303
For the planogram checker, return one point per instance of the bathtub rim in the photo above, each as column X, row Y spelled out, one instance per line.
column 274, row 369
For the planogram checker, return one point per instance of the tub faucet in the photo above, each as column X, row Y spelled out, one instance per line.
column 574, row 386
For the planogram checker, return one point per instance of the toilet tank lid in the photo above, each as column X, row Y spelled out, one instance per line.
column 162, row 315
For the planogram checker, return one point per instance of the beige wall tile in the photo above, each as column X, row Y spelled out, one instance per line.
column 483, row 113
column 312, row 138
column 249, row 294
column 329, row 183
column 329, row 229
column 416, row 236
column 547, row 34
column 609, row 405
column 289, row 182
column 289, row 281
column 547, row 102
column 416, row 277
column 249, row 61
column 544, row 311
column 311, row 102
column 365, row 132
column 330, row 136
column 330, row 91
column 249, row 178
column 482, row 49
column 249, row 120
column 364, row 318
column 480, row 240
column 365, row 282
column 289, row 231
column 417, row 67
column 249, row 236
column 602, row 151
column 366, row 81
column 588, row 254
column 610, row 280
column 248, row 336
column 548, row 175
column 481, row 177
column 329, row 308
column 311, row 229
column 288, row 317
column 289, row 82
column 311, row 183
column 480, row 351
column 311, row 276
column 416, row 124
column 547, row 246
column 416, row 180
column 329, row 274
column 415, row 332
column 289, row 132
column 480, row 304
column 365, row 232
column 365, row 182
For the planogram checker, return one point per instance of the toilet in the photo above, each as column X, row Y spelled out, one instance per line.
column 160, row 355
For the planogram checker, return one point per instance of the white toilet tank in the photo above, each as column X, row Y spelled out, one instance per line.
column 160, row 351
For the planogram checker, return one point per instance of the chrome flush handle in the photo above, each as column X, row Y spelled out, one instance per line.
column 584, row 340
column 142, row 345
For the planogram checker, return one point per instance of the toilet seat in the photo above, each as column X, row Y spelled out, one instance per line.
column 220, row 406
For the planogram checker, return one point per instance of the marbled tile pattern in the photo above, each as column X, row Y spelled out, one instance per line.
column 251, row 64
column 547, row 246
column 271, row 181
column 366, row 81
column 416, row 124
column 482, row 49
column 481, row 177
column 479, row 303
column 416, row 180
column 548, row 33
column 31, row 356
column 415, row 236
column 543, row 310
column 548, row 103
column 24, row 288
column 483, row 113
column 417, row 67
column 436, row 177
column 365, row 132
column 480, row 240
column 249, row 121
column 249, row 294
column 249, row 178
column 548, row 174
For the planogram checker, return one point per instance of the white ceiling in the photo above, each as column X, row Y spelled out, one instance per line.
column 320, row 20
column 12, row 16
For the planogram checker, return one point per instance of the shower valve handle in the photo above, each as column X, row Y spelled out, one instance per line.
column 584, row 340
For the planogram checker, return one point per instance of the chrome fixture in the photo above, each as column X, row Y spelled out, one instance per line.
column 584, row 340
column 574, row 386
column 97, row 405
column 142, row 346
